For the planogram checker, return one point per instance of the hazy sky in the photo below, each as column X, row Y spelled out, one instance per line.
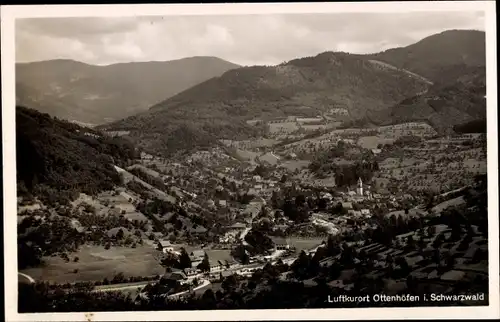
column 242, row 39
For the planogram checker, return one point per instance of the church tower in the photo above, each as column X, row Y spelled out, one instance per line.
column 359, row 189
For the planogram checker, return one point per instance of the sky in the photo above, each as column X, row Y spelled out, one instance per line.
column 241, row 39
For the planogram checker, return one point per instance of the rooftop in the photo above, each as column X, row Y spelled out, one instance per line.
column 280, row 241
column 198, row 253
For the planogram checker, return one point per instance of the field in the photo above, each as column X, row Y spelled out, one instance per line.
column 295, row 164
column 286, row 127
column 246, row 155
column 96, row 263
column 372, row 142
column 448, row 203
column 304, row 243
column 311, row 127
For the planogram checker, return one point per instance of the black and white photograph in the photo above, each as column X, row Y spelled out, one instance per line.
column 250, row 161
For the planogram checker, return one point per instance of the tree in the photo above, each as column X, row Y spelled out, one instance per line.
column 184, row 260
column 120, row 234
column 170, row 260
column 229, row 283
column 239, row 253
column 208, row 299
column 204, row 266
column 301, row 265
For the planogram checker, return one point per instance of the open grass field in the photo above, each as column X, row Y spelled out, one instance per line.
column 303, row 243
column 246, row 155
column 96, row 263
column 372, row 142
column 286, row 127
column 135, row 215
column 448, row 203
column 295, row 164
column 311, row 127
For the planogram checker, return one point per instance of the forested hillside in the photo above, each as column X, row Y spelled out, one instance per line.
column 56, row 160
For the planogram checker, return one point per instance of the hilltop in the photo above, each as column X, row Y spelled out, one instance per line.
column 219, row 107
column 98, row 94
column 440, row 57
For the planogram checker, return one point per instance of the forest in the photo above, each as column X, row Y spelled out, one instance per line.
column 56, row 160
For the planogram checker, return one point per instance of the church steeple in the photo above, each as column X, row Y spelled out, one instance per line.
column 359, row 189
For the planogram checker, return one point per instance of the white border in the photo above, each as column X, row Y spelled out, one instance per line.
column 10, row 13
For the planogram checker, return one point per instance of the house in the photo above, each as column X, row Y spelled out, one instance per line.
column 327, row 196
column 238, row 226
column 258, row 201
column 225, row 274
column 174, row 274
column 216, row 265
column 257, row 178
column 376, row 151
column 355, row 213
column 223, row 203
column 191, row 271
column 165, row 246
column 198, row 230
column 281, row 244
column 347, row 205
column 365, row 212
column 197, row 255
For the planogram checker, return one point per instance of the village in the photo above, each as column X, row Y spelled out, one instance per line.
column 233, row 197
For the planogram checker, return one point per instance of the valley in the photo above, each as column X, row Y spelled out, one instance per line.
column 325, row 175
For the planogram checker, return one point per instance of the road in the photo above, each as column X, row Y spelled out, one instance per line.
column 120, row 287
column 238, row 269
column 29, row 278
column 204, row 283
column 160, row 194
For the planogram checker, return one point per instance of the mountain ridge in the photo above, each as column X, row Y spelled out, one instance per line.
column 429, row 56
column 99, row 94
column 305, row 87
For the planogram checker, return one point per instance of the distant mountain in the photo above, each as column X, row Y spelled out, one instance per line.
column 98, row 94
column 219, row 107
column 440, row 57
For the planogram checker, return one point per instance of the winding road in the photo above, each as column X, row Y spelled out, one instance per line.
column 29, row 278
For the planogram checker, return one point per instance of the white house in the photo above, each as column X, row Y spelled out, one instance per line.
column 281, row 244
column 257, row 178
column 166, row 246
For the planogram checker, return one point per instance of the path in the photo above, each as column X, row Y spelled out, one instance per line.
column 29, row 278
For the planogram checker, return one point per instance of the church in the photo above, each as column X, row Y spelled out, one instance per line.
column 361, row 192
column 359, row 189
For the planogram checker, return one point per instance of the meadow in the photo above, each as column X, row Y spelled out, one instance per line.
column 96, row 263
